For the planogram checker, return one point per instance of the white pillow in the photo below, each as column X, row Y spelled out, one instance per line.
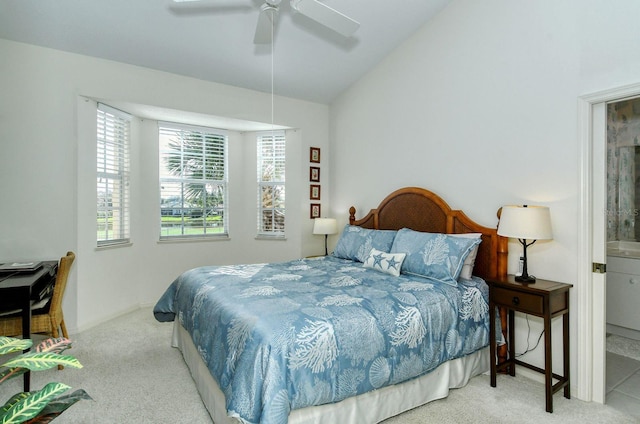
column 469, row 262
column 389, row 263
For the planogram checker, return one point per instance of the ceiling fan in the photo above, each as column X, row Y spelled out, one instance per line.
column 312, row 9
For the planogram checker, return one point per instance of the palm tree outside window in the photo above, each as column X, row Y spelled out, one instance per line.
column 193, row 181
column 271, row 149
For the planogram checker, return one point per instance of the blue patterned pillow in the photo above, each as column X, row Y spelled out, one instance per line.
column 355, row 242
column 389, row 263
column 432, row 255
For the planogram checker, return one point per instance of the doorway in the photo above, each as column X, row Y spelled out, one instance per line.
column 623, row 255
column 591, row 321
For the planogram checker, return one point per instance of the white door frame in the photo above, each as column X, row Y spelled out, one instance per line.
column 591, row 316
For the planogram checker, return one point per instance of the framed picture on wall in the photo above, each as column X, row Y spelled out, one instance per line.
column 314, row 192
column 314, row 174
column 314, row 210
column 314, row 154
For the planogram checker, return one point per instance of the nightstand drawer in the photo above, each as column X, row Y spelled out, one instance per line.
column 524, row 302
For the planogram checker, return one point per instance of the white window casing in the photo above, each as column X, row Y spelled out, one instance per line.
column 193, row 181
column 113, row 176
column 271, row 161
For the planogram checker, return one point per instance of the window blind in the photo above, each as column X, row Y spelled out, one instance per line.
column 271, row 161
column 193, row 181
column 113, row 138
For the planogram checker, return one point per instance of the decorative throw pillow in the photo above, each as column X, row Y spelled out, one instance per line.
column 389, row 263
column 433, row 255
column 355, row 242
column 470, row 261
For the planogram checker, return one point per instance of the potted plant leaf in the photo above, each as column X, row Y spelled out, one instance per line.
column 41, row 406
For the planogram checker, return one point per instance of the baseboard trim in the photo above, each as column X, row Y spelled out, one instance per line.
column 629, row 333
column 94, row 323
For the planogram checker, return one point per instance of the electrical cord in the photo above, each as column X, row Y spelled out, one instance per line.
column 527, row 350
column 6, row 277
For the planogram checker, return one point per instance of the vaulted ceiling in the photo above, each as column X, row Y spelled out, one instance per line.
column 213, row 39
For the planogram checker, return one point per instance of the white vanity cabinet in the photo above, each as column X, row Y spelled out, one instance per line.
column 623, row 296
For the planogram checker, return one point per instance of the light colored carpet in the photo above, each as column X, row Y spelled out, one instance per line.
column 134, row 375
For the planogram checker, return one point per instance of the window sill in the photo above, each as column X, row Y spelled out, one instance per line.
column 271, row 238
column 174, row 240
column 113, row 246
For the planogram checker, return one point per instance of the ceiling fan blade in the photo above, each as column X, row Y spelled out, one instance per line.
column 207, row 3
column 266, row 21
column 326, row 16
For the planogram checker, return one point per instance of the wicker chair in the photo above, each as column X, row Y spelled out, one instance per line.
column 47, row 320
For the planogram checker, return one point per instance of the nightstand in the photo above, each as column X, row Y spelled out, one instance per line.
column 545, row 299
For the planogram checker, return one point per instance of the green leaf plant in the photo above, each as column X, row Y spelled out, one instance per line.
column 44, row 405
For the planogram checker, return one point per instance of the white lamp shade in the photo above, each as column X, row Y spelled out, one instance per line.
column 325, row 226
column 525, row 222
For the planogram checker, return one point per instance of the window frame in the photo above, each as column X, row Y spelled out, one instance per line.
column 113, row 164
column 275, row 137
column 218, row 139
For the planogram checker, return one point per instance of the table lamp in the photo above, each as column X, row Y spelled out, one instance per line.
column 325, row 226
column 525, row 223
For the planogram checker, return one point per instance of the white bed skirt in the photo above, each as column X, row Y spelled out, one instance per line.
column 371, row 407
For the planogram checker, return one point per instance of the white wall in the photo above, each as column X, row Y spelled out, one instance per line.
column 480, row 106
column 47, row 175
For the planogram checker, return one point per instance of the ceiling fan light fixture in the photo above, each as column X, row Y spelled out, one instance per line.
column 266, row 22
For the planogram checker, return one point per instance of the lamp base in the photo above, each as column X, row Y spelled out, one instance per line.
column 525, row 279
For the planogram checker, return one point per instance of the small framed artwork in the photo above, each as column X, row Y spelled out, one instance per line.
column 314, row 174
column 314, row 210
column 314, row 192
column 314, row 154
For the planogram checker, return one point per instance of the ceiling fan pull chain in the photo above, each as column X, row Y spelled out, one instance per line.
column 272, row 72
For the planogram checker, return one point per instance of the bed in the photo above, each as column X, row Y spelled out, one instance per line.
column 361, row 335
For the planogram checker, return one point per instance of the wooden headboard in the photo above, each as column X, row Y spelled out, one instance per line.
column 422, row 210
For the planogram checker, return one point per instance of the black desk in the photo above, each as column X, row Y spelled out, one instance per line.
column 18, row 290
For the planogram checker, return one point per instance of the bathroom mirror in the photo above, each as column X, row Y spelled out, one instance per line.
column 628, row 185
column 623, row 171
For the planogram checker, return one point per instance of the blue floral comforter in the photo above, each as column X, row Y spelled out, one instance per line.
column 283, row 336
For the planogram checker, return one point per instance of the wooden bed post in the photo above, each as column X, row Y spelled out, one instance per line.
column 352, row 215
column 503, row 256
